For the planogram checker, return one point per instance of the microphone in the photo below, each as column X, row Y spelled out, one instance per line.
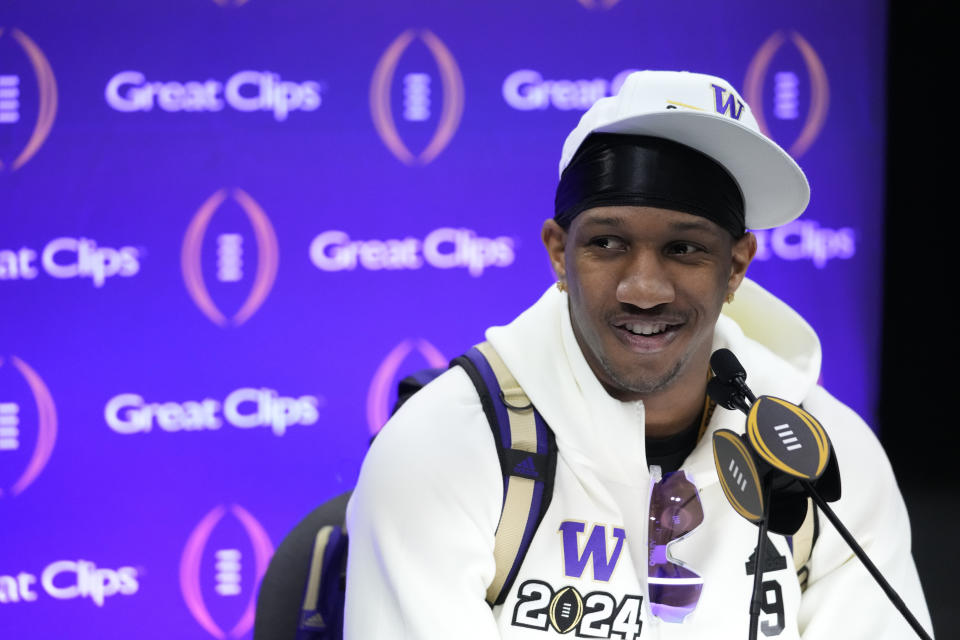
column 728, row 370
column 784, row 454
column 789, row 444
column 788, row 500
column 726, row 395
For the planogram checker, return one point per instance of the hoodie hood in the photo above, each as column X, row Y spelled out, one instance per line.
column 779, row 350
column 767, row 320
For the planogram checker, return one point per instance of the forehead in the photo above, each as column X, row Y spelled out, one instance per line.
column 650, row 219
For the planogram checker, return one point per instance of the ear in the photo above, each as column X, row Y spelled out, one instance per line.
column 555, row 240
column 742, row 254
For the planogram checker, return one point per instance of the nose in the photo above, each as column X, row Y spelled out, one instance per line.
column 646, row 282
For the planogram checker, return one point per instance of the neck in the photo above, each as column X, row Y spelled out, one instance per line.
column 673, row 410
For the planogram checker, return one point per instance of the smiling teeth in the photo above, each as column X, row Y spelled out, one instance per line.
column 646, row 329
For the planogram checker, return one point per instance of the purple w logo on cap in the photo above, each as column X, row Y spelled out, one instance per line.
column 725, row 102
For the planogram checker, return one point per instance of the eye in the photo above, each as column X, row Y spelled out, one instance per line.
column 683, row 249
column 609, row 242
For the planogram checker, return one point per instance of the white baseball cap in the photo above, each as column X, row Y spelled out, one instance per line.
column 706, row 113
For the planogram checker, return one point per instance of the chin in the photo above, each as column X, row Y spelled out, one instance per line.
column 642, row 383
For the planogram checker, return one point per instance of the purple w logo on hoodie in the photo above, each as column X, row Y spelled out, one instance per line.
column 575, row 562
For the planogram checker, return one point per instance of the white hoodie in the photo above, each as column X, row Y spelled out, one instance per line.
column 423, row 517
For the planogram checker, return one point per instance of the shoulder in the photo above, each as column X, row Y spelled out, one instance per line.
column 872, row 508
column 445, row 415
column 870, row 504
column 438, row 444
column 428, row 499
column 867, row 477
column 856, row 444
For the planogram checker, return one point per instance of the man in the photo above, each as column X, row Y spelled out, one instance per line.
column 649, row 243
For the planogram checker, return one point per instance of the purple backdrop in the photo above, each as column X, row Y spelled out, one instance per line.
column 228, row 225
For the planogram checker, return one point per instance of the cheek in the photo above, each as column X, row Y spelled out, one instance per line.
column 725, row 273
column 587, row 303
column 715, row 293
column 590, row 289
column 706, row 290
column 580, row 306
column 569, row 264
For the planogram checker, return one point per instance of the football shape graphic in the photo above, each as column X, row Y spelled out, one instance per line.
column 738, row 474
column 788, row 438
column 566, row 609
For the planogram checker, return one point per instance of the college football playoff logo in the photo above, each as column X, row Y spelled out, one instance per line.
column 17, row 92
column 223, row 584
column 601, row 5
column 28, row 449
column 786, row 95
column 231, row 249
column 384, row 384
column 419, row 111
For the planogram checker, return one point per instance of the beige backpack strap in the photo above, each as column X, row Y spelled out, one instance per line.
column 519, row 493
column 527, row 451
column 311, row 598
column 523, row 431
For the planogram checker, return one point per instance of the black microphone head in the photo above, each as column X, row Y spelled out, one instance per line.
column 723, row 393
column 726, row 366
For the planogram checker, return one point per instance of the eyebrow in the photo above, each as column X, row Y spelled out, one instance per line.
column 697, row 224
column 701, row 224
column 614, row 221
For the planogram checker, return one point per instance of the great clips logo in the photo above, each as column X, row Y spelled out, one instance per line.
column 530, row 90
column 422, row 85
column 28, row 425
column 69, row 258
column 248, row 91
column 787, row 88
column 806, row 240
column 245, row 408
column 221, row 566
column 444, row 248
column 238, row 249
column 28, row 96
column 400, row 362
column 69, row 580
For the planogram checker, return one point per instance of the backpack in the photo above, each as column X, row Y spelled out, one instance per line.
column 527, row 451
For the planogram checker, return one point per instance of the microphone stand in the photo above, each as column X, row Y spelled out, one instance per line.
column 758, row 569
column 860, row 553
column 729, row 389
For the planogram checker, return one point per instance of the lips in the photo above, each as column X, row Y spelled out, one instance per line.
column 646, row 328
column 647, row 334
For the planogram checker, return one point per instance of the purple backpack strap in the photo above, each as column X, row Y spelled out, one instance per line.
column 527, row 451
column 321, row 615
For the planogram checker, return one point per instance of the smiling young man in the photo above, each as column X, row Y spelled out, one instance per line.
column 646, row 286
column 649, row 242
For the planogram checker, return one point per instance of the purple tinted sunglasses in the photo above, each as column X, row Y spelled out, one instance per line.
column 675, row 511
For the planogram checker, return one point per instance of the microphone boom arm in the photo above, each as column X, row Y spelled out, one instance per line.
column 860, row 553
